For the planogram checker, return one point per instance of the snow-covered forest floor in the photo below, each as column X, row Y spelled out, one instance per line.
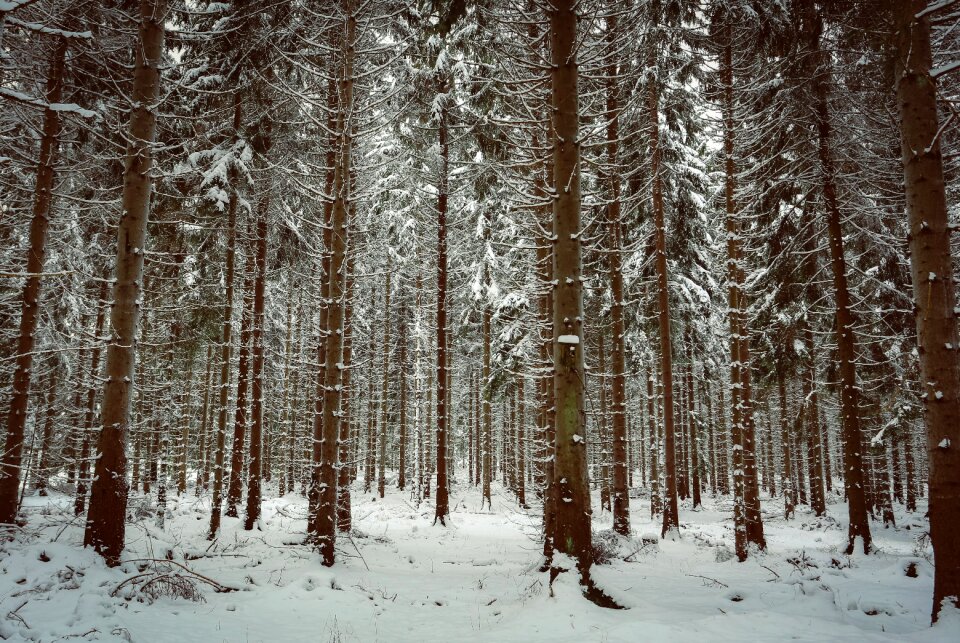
column 400, row 578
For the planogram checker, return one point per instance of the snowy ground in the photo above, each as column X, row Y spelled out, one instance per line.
column 399, row 578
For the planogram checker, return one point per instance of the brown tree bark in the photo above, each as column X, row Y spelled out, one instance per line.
column 521, row 445
column 203, row 436
column 83, row 466
column 787, row 483
column 402, row 437
column 656, row 500
column 443, row 412
column 226, row 345
column 818, row 494
column 108, row 498
column 486, row 392
column 694, row 421
column 325, row 525
column 255, row 462
column 748, row 527
column 571, row 531
column 240, row 417
column 618, row 401
column 671, row 510
column 385, row 391
column 46, row 446
column 846, row 338
column 934, row 290
column 602, row 451
column 30, row 310
column 347, row 456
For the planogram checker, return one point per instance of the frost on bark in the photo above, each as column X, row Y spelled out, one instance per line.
column 30, row 311
column 621, row 497
column 846, row 340
column 671, row 520
column 934, row 290
column 325, row 519
column 748, row 526
column 108, row 497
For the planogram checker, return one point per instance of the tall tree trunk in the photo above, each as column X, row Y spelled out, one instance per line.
column 347, row 455
column 846, row 339
column 671, row 510
column 43, row 466
column 443, row 412
column 818, row 493
column 618, row 401
column 603, row 436
column 748, row 527
column 203, row 436
column 255, row 463
column 571, row 535
column 385, row 392
column 487, row 393
column 934, row 291
column 83, row 467
column 325, row 527
column 521, row 445
column 30, row 309
column 693, row 418
column 183, row 446
column 108, row 498
column 240, row 417
column 226, row 337
column 787, row 483
column 402, row 437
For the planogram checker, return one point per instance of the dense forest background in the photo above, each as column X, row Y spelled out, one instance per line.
column 650, row 251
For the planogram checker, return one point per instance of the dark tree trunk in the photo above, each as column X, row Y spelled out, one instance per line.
column 571, row 531
column 108, row 498
column 443, row 412
column 255, row 463
column 30, row 308
column 83, row 466
column 219, row 444
column 846, row 339
column 240, row 418
column 671, row 503
column 934, row 291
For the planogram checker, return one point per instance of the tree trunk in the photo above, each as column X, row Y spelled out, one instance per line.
column 255, row 463
column 846, row 346
column 30, row 310
column 324, row 529
column 747, row 523
column 240, row 418
column 443, row 413
column 521, row 445
column 83, row 468
column 226, row 341
column 814, row 450
column 203, row 437
column 347, row 456
column 43, row 466
column 486, row 386
column 671, row 510
column 693, row 418
column 108, row 498
column 385, row 391
column 934, row 291
column 571, row 535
